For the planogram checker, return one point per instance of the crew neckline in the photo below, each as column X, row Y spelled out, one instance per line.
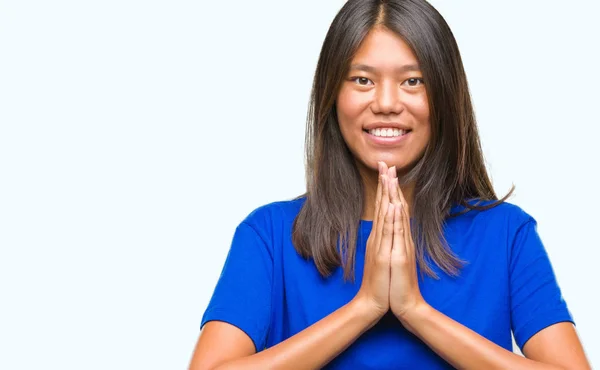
column 454, row 208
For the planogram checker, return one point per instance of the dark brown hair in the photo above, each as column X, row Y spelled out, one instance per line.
column 451, row 170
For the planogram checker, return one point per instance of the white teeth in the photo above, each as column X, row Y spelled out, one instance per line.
column 387, row 132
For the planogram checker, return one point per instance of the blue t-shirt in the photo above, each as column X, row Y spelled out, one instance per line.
column 271, row 293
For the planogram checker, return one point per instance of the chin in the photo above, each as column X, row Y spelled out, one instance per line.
column 399, row 163
column 402, row 165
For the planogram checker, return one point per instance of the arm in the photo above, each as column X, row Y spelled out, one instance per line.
column 312, row 348
column 224, row 346
column 555, row 347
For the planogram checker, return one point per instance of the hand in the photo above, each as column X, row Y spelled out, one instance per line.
column 375, row 286
column 405, row 295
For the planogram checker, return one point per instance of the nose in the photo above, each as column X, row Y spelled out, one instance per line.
column 387, row 99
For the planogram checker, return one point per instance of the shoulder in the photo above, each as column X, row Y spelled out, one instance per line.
column 272, row 217
column 504, row 219
column 505, row 213
column 500, row 232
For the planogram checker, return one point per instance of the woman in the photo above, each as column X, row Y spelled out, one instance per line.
column 399, row 255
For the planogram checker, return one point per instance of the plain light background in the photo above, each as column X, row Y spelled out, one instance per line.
column 136, row 135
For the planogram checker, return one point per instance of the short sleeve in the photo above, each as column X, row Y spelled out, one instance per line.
column 242, row 296
column 536, row 299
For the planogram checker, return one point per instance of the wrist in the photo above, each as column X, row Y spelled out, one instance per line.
column 365, row 312
column 410, row 318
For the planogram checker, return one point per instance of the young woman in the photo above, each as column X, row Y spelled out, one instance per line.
column 399, row 255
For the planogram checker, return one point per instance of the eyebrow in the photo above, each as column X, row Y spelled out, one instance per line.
column 370, row 69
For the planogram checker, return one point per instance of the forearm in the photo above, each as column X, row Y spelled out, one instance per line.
column 461, row 346
column 315, row 346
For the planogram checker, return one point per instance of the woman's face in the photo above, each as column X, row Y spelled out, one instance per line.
column 382, row 105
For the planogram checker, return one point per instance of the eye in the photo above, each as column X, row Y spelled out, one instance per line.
column 362, row 81
column 413, row 82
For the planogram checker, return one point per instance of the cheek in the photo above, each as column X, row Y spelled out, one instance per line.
column 420, row 109
column 349, row 106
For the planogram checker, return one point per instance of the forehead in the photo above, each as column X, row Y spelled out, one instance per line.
column 383, row 49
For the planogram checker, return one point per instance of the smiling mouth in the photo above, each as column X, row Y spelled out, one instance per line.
column 387, row 132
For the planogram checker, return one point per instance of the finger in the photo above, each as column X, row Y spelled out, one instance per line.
column 384, row 168
column 377, row 201
column 387, row 233
column 375, row 227
column 394, row 192
column 383, row 209
column 408, row 242
column 392, row 172
column 399, row 244
column 402, row 200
